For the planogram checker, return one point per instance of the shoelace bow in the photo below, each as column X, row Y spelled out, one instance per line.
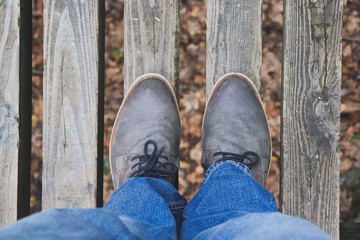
column 250, row 159
column 150, row 165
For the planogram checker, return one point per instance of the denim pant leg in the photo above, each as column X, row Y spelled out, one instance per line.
column 151, row 208
column 232, row 205
column 143, row 208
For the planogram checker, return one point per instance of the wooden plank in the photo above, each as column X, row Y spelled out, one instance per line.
column 151, row 39
column 15, row 120
column 311, row 111
column 70, row 130
column 9, row 109
column 233, row 40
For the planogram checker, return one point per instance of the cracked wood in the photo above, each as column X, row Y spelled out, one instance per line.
column 9, row 109
column 233, row 40
column 151, row 39
column 70, row 104
column 311, row 111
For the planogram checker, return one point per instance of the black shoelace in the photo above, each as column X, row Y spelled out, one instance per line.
column 149, row 165
column 250, row 159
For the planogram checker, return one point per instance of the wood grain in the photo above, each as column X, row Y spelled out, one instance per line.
column 151, row 39
column 9, row 108
column 233, row 40
column 311, row 111
column 70, row 103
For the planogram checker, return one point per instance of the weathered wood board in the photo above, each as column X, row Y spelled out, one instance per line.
column 233, row 40
column 311, row 111
column 9, row 109
column 70, row 128
column 15, row 109
column 151, row 39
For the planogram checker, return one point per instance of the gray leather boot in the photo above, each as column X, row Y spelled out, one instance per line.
column 235, row 126
column 146, row 134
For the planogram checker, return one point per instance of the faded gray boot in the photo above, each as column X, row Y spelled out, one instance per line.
column 146, row 135
column 235, row 126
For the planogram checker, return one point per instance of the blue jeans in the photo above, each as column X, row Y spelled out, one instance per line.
column 229, row 205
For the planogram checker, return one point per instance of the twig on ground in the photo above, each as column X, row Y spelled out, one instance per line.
column 349, row 39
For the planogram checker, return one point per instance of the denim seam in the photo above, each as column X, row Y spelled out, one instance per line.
column 174, row 206
column 215, row 166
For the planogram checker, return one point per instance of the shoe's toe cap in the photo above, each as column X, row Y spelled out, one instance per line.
column 235, row 122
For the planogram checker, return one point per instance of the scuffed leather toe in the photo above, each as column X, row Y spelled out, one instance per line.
column 235, row 122
column 149, row 112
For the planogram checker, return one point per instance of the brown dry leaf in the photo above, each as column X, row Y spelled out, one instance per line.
column 351, row 149
column 198, row 79
column 36, row 81
column 352, row 24
column 345, row 165
column 190, row 102
column 191, row 177
column 112, row 75
column 195, row 152
column 37, row 61
column 199, row 170
column 271, row 110
column 184, row 144
column 350, row 107
column 272, row 183
column 347, row 50
column 183, row 185
column 194, row 124
column 184, row 165
column 346, row 202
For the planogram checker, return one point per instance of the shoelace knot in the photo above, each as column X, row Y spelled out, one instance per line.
column 149, row 164
column 248, row 158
